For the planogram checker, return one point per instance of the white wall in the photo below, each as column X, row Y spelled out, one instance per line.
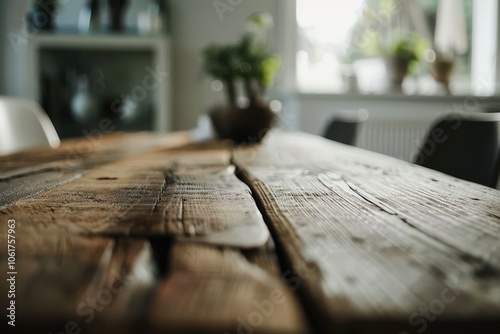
column 12, row 16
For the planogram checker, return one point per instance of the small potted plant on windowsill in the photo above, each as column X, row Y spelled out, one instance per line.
column 250, row 63
column 441, row 68
column 402, row 57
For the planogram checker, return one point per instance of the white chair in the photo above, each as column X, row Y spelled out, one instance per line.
column 23, row 125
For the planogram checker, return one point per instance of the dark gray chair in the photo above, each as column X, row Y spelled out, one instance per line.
column 466, row 146
column 344, row 128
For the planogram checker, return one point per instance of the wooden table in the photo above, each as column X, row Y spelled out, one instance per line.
column 143, row 234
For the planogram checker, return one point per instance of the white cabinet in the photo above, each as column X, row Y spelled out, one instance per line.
column 121, row 70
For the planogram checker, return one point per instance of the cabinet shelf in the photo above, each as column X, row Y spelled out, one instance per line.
column 126, row 64
column 100, row 41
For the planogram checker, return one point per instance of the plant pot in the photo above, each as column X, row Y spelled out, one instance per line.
column 442, row 70
column 397, row 69
column 243, row 125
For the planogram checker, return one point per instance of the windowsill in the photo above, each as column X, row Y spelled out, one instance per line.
column 423, row 88
column 396, row 97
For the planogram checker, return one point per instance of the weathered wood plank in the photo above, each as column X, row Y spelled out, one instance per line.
column 454, row 211
column 368, row 236
column 83, row 282
column 15, row 189
column 213, row 290
column 211, row 205
column 265, row 257
column 123, row 290
column 72, row 153
column 29, row 173
column 187, row 194
column 186, row 191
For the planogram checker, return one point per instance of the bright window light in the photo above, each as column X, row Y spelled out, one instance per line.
column 325, row 28
column 342, row 45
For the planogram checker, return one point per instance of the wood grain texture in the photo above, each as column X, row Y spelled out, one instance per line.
column 189, row 194
column 90, row 282
column 28, row 173
column 14, row 189
column 166, row 189
column 209, row 205
column 74, row 153
column 372, row 244
column 214, row 290
column 377, row 242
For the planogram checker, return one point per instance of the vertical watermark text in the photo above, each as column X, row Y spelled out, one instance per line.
column 11, row 272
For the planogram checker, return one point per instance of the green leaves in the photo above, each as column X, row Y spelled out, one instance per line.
column 260, row 22
column 221, row 61
column 410, row 48
column 248, row 60
column 269, row 68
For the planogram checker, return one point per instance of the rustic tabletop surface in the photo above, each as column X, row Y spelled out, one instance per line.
column 135, row 233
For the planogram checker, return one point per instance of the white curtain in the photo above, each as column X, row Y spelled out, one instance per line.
column 409, row 18
column 451, row 28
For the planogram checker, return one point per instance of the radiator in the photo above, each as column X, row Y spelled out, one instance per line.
column 399, row 139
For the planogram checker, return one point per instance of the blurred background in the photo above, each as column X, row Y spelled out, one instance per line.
column 392, row 65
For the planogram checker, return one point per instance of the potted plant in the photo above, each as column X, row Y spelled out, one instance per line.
column 250, row 63
column 403, row 56
column 442, row 69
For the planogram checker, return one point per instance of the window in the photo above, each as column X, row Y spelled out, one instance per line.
column 343, row 45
